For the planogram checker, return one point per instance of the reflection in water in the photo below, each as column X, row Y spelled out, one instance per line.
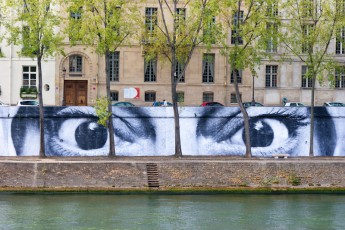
column 172, row 212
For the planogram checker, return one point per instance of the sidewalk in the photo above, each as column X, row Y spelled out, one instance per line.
column 165, row 159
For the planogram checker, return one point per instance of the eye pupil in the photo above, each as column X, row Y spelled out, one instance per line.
column 261, row 134
column 90, row 135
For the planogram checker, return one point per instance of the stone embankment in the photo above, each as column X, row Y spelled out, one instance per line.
column 171, row 174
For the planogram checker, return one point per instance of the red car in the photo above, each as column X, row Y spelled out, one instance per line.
column 211, row 104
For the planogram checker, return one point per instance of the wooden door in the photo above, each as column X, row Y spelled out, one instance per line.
column 81, row 93
column 75, row 93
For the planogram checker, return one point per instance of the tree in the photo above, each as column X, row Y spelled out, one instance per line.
column 172, row 35
column 307, row 35
column 34, row 28
column 103, row 25
column 252, row 25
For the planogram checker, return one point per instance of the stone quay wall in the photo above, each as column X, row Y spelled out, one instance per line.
column 171, row 173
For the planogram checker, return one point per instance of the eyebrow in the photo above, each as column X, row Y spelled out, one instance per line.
column 215, row 126
column 142, row 125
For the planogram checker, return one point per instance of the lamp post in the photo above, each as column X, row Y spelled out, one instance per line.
column 63, row 89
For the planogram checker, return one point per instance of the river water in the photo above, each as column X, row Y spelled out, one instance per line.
column 95, row 211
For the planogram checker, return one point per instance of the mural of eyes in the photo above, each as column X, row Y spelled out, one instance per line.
column 135, row 134
column 77, row 133
column 276, row 130
column 83, row 136
column 79, row 137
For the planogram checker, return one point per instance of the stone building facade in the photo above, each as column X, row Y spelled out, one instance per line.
column 274, row 81
column 78, row 78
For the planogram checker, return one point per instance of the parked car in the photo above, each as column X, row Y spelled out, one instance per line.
column 213, row 103
column 160, row 103
column 333, row 104
column 27, row 103
column 248, row 104
column 3, row 104
column 293, row 104
column 123, row 103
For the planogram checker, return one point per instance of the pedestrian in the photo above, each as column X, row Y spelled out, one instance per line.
column 165, row 103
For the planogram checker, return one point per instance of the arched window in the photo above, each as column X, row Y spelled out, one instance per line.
column 75, row 64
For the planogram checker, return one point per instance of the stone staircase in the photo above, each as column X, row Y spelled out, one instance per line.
column 152, row 175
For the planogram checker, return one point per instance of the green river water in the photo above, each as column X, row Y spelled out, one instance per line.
column 98, row 211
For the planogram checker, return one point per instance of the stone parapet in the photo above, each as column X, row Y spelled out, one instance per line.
column 124, row 173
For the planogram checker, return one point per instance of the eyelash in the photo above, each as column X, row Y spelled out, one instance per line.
column 62, row 143
column 229, row 132
column 129, row 135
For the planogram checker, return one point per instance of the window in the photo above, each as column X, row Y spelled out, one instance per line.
column 307, row 8
column 340, row 6
column 272, row 30
column 271, row 75
column 272, row 9
column 340, row 42
column 306, row 82
column 207, row 97
column 178, row 71
column 307, row 45
column 340, row 78
column 27, row 48
column 114, row 96
column 75, row 64
column 114, row 66
column 75, row 25
column 150, row 19
column 235, row 31
column 180, row 20
column 180, row 96
column 209, row 31
column 25, row 35
column 233, row 98
column 208, row 68
column 239, row 76
column 29, row 76
column 150, row 68
column 76, row 15
column 150, row 96
column 181, row 14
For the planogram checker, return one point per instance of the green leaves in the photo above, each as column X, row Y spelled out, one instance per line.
column 33, row 25
column 308, row 32
column 101, row 108
column 101, row 24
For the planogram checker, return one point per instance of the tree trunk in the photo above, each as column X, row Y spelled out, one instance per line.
column 41, row 109
column 248, row 153
column 178, row 149
column 110, row 111
column 311, row 146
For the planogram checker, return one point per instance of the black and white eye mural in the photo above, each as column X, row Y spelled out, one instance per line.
column 149, row 131
column 273, row 130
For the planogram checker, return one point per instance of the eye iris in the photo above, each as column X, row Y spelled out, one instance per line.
column 90, row 135
column 261, row 134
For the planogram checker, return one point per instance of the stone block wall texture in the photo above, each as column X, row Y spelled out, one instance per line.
column 173, row 174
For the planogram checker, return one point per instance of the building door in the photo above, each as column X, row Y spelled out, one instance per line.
column 75, row 93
